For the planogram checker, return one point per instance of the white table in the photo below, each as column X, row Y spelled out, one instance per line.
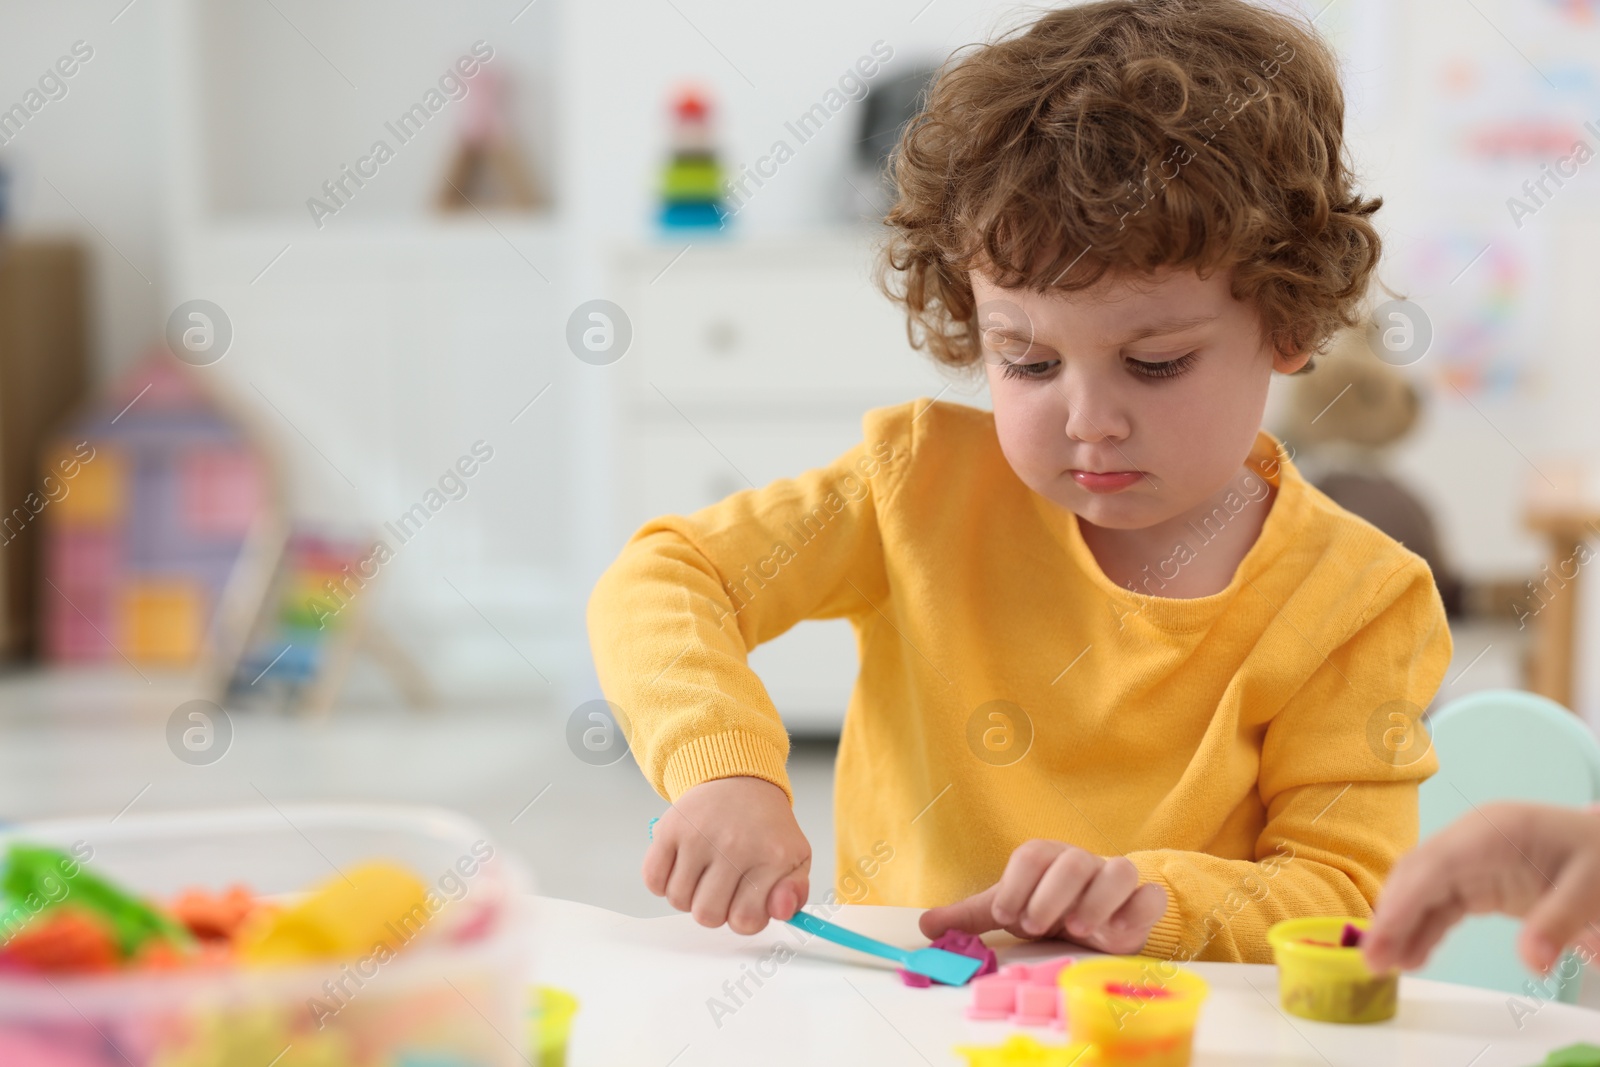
column 644, row 987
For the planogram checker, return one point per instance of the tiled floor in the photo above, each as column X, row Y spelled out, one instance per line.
column 95, row 745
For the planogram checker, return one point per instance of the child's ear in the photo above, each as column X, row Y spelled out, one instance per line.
column 1291, row 364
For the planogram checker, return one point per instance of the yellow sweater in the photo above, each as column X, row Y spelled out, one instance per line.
column 1251, row 751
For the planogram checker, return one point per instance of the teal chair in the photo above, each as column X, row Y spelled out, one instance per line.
column 1502, row 744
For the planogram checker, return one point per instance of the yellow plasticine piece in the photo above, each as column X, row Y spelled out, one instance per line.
column 1020, row 1050
column 259, row 1036
column 376, row 908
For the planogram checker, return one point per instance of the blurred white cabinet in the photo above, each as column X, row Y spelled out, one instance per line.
column 375, row 346
column 753, row 360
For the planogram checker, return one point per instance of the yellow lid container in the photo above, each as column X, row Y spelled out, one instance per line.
column 1319, row 980
column 550, row 1015
column 1133, row 1010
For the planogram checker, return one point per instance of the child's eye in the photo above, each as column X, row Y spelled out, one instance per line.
column 1029, row 371
column 1168, row 369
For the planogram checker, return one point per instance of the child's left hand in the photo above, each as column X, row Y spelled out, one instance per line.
column 1052, row 889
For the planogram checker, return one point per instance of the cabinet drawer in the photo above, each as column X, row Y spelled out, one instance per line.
column 740, row 320
column 677, row 468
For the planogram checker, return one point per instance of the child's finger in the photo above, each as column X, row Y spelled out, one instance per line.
column 714, row 893
column 1058, row 890
column 1107, row 891
column 1395, row 925
column 975, row 915
column 1428, row 932
column 790, row 893
column 1400, row 913
column 1018, row 881
column 658, row 866
column 687, row 868
column 1560, row 916
column 748, row 912
column 1417, row 885
column 1129, row 926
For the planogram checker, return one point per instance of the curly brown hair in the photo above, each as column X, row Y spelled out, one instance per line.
column 1127, row 135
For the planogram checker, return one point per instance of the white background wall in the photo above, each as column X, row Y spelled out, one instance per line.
column 103, row 146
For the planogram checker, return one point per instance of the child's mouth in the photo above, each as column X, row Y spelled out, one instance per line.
column 1105, row 481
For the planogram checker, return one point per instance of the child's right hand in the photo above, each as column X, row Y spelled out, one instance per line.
column 730, row 851
column 1519, row 859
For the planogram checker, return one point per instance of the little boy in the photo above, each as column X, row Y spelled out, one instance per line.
column 1126, row 678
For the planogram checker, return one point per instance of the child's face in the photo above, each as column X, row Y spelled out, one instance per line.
column 1108, row 406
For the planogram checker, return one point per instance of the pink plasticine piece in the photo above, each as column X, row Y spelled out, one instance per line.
column 963, row 944
column 1045, row 973
column 1024, row 993
column 1350, row 936
column 1037, row 1005
column 994, row 996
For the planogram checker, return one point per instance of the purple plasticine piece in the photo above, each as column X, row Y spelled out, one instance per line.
column 1350, row 936
column 963, row 944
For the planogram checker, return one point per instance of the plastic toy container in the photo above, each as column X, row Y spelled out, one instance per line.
column 1324, row 981
column 1132, row 1010
column 456, row 996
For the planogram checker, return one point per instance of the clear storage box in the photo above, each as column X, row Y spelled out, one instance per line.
column 456, row 997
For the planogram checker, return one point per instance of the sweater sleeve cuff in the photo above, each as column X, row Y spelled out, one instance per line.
column 1167, row 934
column 727, row 755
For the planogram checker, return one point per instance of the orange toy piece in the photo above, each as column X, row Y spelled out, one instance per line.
column 215, row 916
column 156, row 955
column 164, row 956
column 64, row 939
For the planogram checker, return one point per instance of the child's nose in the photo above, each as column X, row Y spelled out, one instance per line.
column 1094, row 415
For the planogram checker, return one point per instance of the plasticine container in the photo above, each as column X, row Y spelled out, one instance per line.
column 1325, row 982
column 456, row 996
column 1134, row 1011
column 550, row 1014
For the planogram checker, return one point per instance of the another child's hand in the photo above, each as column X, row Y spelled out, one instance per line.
column 1052, row 889
column 1519, row 859
column 730, row 851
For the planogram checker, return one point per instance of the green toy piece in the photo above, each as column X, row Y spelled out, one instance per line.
column 1582, row 1054
column 38, row 878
